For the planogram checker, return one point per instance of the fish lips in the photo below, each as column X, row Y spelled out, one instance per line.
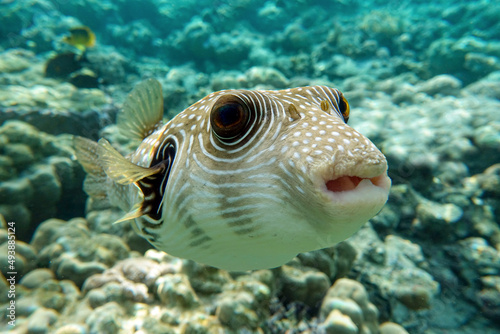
column 348, row 196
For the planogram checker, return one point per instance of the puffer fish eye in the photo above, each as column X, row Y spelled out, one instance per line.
column 344, row 107
column 229, row 117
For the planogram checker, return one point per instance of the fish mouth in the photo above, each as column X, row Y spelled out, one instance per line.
column 350, row 196
column 347, row 183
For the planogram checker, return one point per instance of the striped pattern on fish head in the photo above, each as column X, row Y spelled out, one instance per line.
column 256, row 177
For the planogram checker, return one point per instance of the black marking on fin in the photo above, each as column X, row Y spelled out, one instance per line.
column 153, row 187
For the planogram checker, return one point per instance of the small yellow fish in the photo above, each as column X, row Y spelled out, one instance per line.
column 81, row 38
column 242, row 179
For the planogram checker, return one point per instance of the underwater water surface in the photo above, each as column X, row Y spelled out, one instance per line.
column 422, row 82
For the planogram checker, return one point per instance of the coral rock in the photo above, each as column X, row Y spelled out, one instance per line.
column 235, row 311
column 306, row 286
column 338, row 323
column 350, row 299
column 175, row 290
column 36, row 277
column 391, row 328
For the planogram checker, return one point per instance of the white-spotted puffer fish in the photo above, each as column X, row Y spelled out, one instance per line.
column 242, row 179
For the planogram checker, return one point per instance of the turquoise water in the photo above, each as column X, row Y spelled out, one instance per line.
column 423, row 84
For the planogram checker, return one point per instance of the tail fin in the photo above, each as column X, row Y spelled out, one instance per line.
column 87, row 154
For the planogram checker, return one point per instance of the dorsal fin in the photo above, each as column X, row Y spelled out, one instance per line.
column 142, row 110
column 120, row 169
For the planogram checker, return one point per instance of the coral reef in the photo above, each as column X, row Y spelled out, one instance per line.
column 40, row 178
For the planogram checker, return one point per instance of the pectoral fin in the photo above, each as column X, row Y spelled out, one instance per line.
column 87, row 155
column 120, row 169
column 136, row 212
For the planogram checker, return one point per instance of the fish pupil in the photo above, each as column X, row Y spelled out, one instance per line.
column 229, row 115
column 229, row 118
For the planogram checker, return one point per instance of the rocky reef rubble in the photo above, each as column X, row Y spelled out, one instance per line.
column 39, row 177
